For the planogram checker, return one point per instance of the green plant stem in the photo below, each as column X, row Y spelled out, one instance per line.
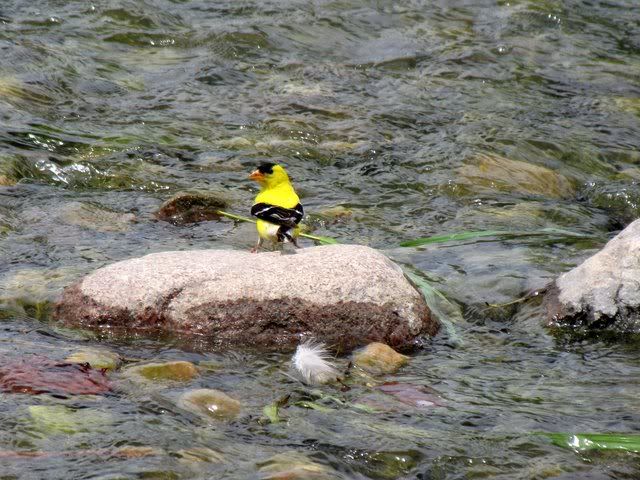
column 317, row 238
column 445, row 311
column 595, row 441
column 234, row 216
column 503, row 234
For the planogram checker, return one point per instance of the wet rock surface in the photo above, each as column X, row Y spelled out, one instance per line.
column 343, row 295
column 96, row 358
column 604, row 291
column 37, row 375
column 191, row 207
column 379, row 358
column 93, row 217
column 210, row 403
column 180, row 371
column 294, row 466
column 490, row 172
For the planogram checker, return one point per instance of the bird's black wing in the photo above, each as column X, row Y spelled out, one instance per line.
column 288, row 217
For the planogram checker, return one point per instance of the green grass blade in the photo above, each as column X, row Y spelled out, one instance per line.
column 364, row 408
column 504, row 234
column 453, row 237
column 319, row 394
column 317, row 238
column 235, row 217
column 272, row 411
column 313, row 406
column 595, row 441
column 445, row 311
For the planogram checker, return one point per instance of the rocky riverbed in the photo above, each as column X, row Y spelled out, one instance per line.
column 397, row 121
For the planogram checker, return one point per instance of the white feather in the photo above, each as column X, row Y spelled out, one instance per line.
column 311, row 361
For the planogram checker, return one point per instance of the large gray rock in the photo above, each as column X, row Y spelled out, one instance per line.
column 603, row 291
column 344, row 295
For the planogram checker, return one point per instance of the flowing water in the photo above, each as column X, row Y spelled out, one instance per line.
column 396, row 120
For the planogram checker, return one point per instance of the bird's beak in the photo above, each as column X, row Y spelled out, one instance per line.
column 256, row 175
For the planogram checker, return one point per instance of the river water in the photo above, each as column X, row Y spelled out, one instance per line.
column 396, row 120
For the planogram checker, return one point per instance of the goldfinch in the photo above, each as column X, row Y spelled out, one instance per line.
column 277, row 206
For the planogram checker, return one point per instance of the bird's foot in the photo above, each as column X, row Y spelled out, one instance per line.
column 256, row 248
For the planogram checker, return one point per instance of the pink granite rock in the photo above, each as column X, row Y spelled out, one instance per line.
column 344, row 295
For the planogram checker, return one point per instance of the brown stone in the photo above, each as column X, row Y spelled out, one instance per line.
column 495, row 173
column 379, row 358
column 191, row 207
column 178, row 371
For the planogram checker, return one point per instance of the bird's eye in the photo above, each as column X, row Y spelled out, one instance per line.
column 266, row 168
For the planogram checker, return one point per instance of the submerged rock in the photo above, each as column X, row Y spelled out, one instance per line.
column 37, row 375
column 379, row 358
column 341, row 146
column 620, row 199
column 178, row 371
column 494, row 172
column 93, row 217
column 294, row 466
column 336, row 213
column 137, row 452
column 98, row 359
column 59, row 419
column 210, row 403
column 6, row 181
column 388, row 464
column 29, row 291
column 343, row 295
column 419, row 396
column 236, row 143
column 199, row 455
column 604, row 291
column 628, row 104
column 191, row 207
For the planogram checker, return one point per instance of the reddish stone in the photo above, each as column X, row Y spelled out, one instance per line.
column 415, row 395
column 37, row 375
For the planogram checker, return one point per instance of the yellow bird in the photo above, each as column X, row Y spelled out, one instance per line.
column 277, row 206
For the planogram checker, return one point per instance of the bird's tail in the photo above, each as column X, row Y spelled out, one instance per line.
column 287, row 234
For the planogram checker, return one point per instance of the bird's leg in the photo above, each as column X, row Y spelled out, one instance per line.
column 285, row 234
column 257, row 247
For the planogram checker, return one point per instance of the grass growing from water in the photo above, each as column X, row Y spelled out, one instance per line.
column 555, row 234
column 595, row 441
column 446, row 312
column 317, row 238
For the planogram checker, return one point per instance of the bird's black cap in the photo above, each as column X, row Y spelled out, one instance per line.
column 266, row 167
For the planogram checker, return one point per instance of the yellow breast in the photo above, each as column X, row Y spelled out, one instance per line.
column 282, row 195
column 267, row 231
